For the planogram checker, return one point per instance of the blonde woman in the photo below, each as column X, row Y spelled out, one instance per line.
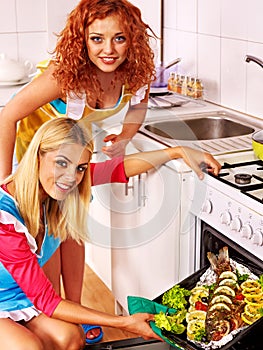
column 102, row 65
column 44, row 203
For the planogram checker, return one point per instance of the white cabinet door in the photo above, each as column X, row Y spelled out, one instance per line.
column 98, row 250
column 145, row 235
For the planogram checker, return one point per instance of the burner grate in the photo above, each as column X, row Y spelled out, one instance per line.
column 252, row 169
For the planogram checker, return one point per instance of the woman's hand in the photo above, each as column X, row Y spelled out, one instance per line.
column 198, row 160
column 139, row 324
column 118, row 146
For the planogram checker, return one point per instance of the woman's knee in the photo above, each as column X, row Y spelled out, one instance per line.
column 15, row 336
column 32, row 344
column 72, row 339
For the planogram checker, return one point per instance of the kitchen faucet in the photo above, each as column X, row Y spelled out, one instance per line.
column 257, row 60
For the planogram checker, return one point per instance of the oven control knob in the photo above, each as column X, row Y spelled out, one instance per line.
column 207, row 207
column 236, row 224
column 225, row 218
column 246, row 231
column 257, row 237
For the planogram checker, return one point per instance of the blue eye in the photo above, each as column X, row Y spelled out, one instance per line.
column 96, row 39
column 120, row 39
column 82, row 168
column 61, row 163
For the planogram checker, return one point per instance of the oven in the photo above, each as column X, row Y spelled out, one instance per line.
column 228, row 211
column 216, row 212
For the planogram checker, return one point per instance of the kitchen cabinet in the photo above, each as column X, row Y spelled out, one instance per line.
column 145, row 219
column 98, row 249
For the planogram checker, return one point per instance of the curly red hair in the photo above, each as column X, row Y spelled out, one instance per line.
column 73, row 69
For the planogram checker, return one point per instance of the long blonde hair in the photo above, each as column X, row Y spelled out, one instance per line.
column 67, row 218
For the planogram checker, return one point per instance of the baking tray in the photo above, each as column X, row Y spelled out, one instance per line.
column 189, row 283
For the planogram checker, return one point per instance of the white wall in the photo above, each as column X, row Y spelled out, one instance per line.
column 28, row 27
column 23, row 29
column 213, row 37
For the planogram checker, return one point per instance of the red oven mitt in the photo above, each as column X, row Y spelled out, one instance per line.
column 138, row 304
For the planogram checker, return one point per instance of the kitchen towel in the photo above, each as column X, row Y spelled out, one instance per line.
column 139, row 304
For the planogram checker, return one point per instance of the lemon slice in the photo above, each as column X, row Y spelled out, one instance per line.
column 192, row 308
column 198, row 296
column 228, row 282
column 247, row 319
column 225, row 290
column 199, row 289
column 228, row 274
column 221, row 299
column 258, row 303
column 219, row 306
column 251, row 311
column 256, row 292
column 195, row 315
column 250, row 285
column 254, row 298
column 195, row 325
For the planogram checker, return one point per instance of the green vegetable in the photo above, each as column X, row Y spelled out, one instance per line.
column 212, row 287
column 175, row 297
column 172, row 323
column 260, row 310
column 200, row 334
column 260, row 281
column 241, row 278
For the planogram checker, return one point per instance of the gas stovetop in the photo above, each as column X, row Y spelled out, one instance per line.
column 244, row 176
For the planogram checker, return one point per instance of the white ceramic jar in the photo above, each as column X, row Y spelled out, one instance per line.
column 11, row 70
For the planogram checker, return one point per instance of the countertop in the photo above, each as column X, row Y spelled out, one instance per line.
column 6, row 92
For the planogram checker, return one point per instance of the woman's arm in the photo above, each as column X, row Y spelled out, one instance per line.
column 76, row 313
column 138, row 163
column 132, row 122
column 40, row 91
column 22, row 264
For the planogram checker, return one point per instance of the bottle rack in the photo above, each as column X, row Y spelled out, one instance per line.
column 186, row 86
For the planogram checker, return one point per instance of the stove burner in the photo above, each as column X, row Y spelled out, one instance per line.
column 243, row 179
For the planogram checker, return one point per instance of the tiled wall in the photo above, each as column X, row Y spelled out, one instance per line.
column 23, row 29
column 213, row 37
column 27, row 27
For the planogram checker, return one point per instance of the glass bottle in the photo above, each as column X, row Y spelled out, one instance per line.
column 185, row 85
column 171, row 81
column 190, row 87
column 198, row 89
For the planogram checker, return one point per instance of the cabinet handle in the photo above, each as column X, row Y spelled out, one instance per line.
column 141, row 191
column 128, row 187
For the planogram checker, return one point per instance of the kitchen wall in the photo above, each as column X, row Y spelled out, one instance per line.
column 28, row 27
column 213, row 37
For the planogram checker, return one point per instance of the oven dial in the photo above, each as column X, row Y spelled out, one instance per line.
column 246, row 231
column 225, row 218
column 236, row 224
column 207, row 206
column 257, row 237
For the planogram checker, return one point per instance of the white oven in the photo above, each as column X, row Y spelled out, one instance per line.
column 231, row 203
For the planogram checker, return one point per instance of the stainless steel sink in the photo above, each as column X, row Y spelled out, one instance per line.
column 212, row 127
column 215, row 132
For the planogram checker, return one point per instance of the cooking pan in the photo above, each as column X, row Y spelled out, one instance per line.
column 257, row 143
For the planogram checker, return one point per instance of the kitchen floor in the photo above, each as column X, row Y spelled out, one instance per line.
column 96, row 295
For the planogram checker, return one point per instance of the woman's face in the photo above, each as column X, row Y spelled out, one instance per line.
column 107, row 44
column 62, row 170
